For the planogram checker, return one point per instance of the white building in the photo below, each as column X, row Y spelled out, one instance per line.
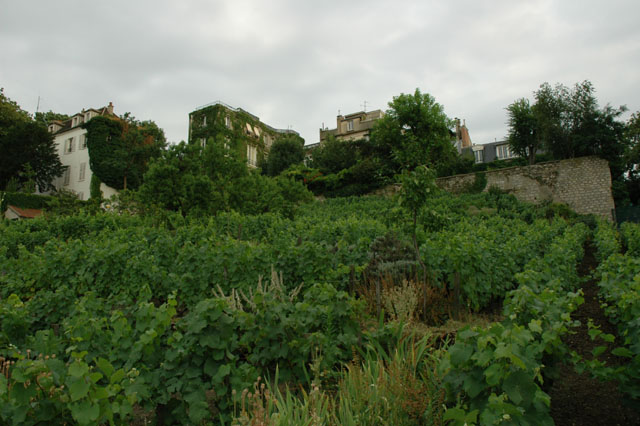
column 71, row 144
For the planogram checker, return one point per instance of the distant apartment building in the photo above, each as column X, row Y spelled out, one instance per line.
column 352, row 126
column 71, row 144
column 486, row 153
column 242, row 131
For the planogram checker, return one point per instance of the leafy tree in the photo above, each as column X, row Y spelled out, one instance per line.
column 205, row 180
column 417, row 187
column 523, row 130
column 64, row 203
column 334, row 155
column 220, row 160
column 284, row 152
column 568, row 123
column 413, row 132
column 27, row 151
column 10, row 114
column 120, row 149
column 177, row 181
column 632, row 157
column 48, row 117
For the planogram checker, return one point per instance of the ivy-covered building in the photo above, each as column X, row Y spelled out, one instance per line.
column 242, row 131
column 70, row 138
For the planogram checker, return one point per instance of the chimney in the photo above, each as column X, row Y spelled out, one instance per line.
column 110, row 108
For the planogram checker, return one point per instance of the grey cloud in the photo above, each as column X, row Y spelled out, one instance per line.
column 297, row 63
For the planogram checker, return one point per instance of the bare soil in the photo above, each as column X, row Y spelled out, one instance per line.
column 577, row 399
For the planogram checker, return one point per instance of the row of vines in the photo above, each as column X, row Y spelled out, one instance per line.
column 169, row 320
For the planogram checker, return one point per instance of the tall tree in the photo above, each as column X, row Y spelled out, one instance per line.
column 10, row 113
column 48, row 117
column 571, row 124
column 568, row 123
column 27, row 150
column 414, row 131
column 523, row 130
column 334, row 155
column 632, row 158
column 284, row 152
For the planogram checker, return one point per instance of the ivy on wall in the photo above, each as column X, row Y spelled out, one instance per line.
column 210, row 122
column 120, row 149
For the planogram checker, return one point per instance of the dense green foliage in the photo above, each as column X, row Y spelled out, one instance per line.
column 334, row 155
column 120, row 149
column 27, row 152
column 168, row 318
column 568, row 123
column 414, row 131
column 197, row 180
column 523, row 129
column 285, row 152
column 496, row 374
column 631, row 238
column 25, row 201
column 619, row 282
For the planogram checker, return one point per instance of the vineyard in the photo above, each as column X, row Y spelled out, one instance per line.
column 331, row 317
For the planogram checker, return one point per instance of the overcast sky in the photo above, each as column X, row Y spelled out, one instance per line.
column 296, row 63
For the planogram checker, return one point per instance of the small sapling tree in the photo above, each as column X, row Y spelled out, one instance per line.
column 417, row 187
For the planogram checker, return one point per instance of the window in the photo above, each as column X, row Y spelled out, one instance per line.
column 83, row 169
column 67, row 176
column 479, row 156
column 268, row 141
column 503, row 152
column 203, row 142
column 227, row 121
column 350, row 126
column 204, row 121
column 68, row 146
column 252, row 155
column 83, row 141
column 80, row 195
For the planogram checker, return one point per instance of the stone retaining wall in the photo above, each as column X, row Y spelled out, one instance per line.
column 584, row 184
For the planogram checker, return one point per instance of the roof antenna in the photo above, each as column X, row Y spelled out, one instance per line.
column 364, row 105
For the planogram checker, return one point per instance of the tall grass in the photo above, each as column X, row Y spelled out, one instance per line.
column 379, row 387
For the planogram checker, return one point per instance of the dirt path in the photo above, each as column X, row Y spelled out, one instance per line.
column 576, row 399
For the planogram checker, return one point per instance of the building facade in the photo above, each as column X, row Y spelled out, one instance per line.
column 242, row 131
column 71, row 144
column 486, row 153
column 352, row 126
column 462, row 137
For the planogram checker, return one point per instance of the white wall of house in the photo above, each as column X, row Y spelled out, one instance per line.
column 73, row 153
